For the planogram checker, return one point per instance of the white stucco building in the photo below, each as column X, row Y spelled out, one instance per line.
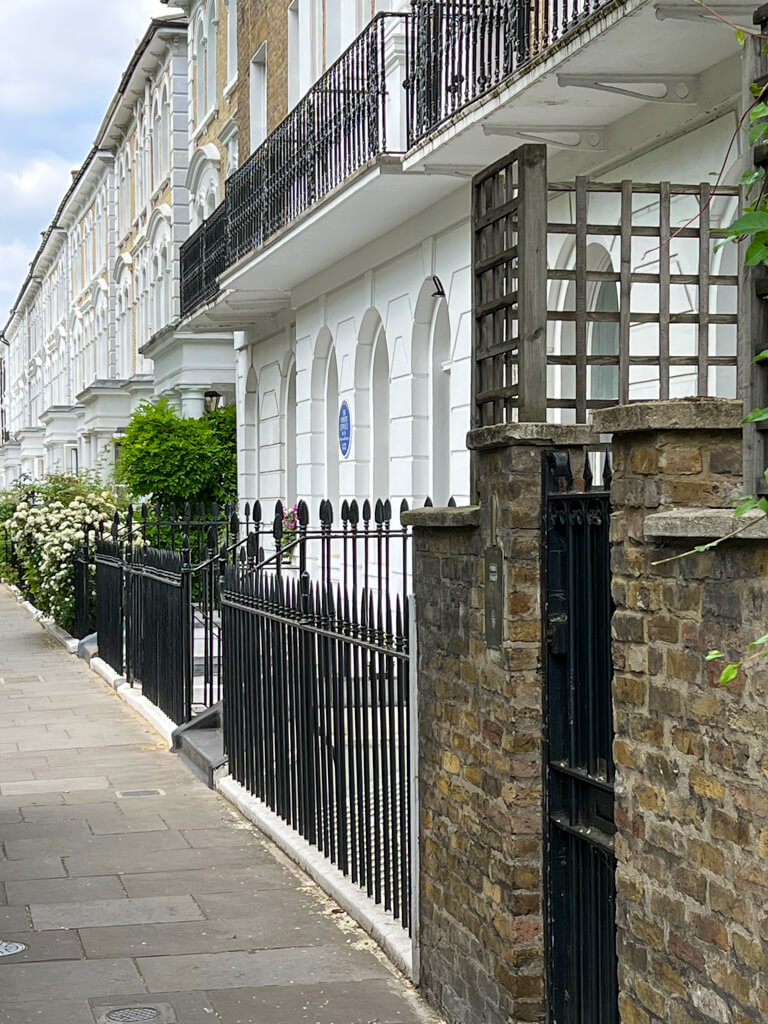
column 322, row 157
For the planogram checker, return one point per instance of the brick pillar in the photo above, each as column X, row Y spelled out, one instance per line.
column 692, row 773
column 480, row 737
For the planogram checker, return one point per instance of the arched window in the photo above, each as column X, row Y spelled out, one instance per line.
column 379, row 392
column 290, row 437
column 212, row 35
column 165, row 135
column 157, row 147
column 157, row 295
column 231, row 40
column 201, row 69
column 250, row 454
column 440, row 405
column 332, row 429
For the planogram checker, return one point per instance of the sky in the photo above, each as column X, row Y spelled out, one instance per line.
column 60, row 64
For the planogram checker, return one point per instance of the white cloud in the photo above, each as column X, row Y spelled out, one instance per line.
column 36, row 185
column 14, row 266
column 54, row 54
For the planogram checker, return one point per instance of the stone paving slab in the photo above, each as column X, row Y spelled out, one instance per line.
column 264, row 967
column 38, row 1011
column 64, row 890
column 166, row 898
column 68, row 980
column 382, row 1002
column 95, row 913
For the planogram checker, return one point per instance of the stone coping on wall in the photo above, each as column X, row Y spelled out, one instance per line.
column 674, row 414
column 704, row 524
column 503, row 435
column 464, row 518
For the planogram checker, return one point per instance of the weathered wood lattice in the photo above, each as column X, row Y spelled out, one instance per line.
column 588, row 294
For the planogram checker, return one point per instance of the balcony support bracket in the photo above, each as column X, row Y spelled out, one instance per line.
column 583, row 137
column 648, row 88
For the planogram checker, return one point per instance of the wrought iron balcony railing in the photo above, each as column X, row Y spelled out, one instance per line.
column 203, row 259
column 461, row 49
column 335, row 129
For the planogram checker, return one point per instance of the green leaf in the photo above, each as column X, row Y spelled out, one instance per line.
column 757, row 252
column 754, row 88
column 746, row 505
column 740, row 36
column 714, row 655
column 749, row 224
column 706, row 547
column 760, row 356
column 729, row 673
column 756, row 416
column 757, row 132
column 752, row 176
column 762, row 504
column 759, row 110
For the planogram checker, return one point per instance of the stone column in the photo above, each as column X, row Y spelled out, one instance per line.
column 692, row 773
column 481, row 928
column 192, row 401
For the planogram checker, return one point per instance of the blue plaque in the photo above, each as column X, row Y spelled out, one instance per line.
column 345, row 429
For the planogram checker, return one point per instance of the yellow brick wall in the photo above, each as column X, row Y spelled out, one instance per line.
column 258, row 22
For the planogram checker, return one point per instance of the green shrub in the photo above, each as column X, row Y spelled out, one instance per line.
column 168, row 458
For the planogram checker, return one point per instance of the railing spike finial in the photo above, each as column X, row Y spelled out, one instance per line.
column 387, row 511
column 354, row 512
column 247, row 510
column 345, row 511
column 451, row 502
column 378, row 513
column 302, row 511
column 257, row 511
column 587, row 472
column 366, row 511
column 428, row 502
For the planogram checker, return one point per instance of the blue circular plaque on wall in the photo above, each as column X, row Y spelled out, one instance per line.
column 345, row 429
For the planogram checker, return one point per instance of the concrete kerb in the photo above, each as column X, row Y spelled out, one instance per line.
column 393, row 939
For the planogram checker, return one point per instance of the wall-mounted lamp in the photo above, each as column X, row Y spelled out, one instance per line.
column 439, row 292
column 212, row 401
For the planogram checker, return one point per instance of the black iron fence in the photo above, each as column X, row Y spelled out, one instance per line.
column 334, row 130
column 316, row 688
column 462, row 49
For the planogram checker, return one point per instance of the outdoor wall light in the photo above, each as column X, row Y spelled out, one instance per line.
column 212, row 401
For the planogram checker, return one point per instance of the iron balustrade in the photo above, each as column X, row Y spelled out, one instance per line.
column 337, row 128
column 203, row 259
column 462, row 49
column 316, row 688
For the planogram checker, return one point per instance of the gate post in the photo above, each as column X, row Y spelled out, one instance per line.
column 188, row 633
column 477, row 583
column 691, row 787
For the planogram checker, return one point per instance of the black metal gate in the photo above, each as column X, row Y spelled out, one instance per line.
column 581, row 893
column 159, row 628
column 109, row 603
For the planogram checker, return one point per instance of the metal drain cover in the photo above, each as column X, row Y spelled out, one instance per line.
column 134, row 1013
column 9, row 948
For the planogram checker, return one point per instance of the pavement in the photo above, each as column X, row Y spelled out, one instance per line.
column 139, row 894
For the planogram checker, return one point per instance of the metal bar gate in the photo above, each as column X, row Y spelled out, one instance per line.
column 579, row 770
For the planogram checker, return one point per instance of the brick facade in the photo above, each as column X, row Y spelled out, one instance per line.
column 258, row 23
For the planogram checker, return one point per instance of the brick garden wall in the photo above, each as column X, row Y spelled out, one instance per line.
column 692, row 770
column 480, row 734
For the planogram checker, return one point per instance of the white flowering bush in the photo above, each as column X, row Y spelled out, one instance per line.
column 47, row 525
